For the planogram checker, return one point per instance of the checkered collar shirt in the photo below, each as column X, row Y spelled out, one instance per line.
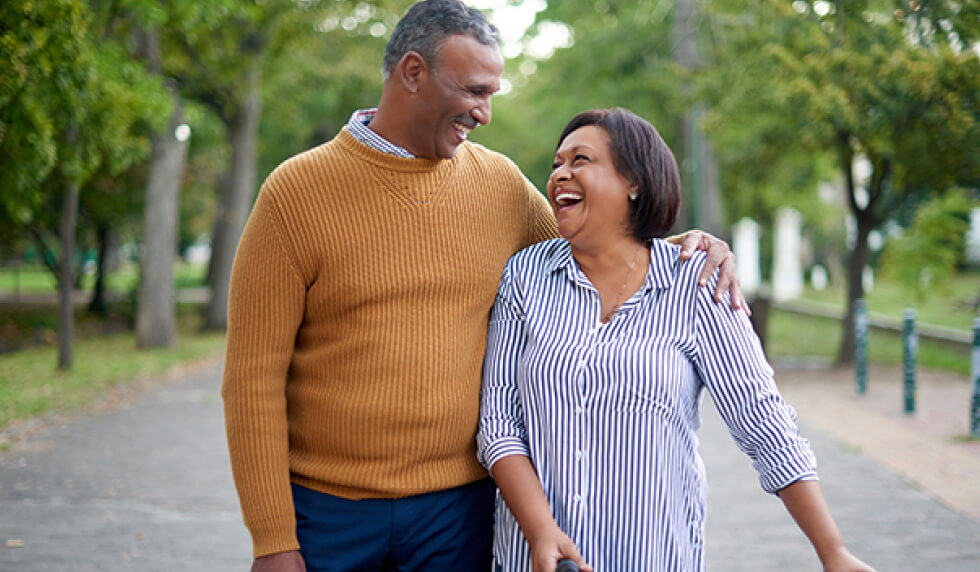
column 357, row 126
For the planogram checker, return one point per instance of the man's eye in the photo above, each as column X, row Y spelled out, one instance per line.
column 555, row 165
column 581, row 158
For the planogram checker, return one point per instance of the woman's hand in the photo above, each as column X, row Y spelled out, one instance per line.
column 843, row 561
column 549, row 545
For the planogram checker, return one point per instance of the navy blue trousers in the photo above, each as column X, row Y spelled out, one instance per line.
column 446, row 530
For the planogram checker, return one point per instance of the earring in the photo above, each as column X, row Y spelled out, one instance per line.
column 633, row 196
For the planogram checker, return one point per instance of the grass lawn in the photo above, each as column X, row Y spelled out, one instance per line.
column 31, row 384
column 948, row 307
column 792, row 335
column 38, row 279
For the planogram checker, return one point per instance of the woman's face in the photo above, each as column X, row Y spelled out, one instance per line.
column 589, row 196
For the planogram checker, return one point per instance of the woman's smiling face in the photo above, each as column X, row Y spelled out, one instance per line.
column 590, row 198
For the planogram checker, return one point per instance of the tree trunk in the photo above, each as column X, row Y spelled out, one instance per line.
column 760, row 305
column 235, row 200
column 97, row 304
column 855, row 284
column 866, row 218
column 66, row 310
column 156, row 319
column 702, row 204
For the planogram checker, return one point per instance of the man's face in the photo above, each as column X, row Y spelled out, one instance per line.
column 455, row 96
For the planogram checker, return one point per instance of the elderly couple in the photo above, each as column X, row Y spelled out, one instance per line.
column 408, row 312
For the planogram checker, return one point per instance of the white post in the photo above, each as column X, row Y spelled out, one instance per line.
column 787, row 271
column 746, row 234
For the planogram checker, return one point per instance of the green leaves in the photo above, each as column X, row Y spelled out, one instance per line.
column 927, row 254
column 40, row 81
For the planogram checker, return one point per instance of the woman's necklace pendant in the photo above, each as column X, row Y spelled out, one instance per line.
column 605, row 318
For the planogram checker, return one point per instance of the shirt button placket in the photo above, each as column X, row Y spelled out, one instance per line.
column 580, row 469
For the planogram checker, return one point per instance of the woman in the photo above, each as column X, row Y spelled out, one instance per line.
column 600, row 345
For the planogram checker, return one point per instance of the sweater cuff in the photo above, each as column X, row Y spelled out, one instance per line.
column 273, row 535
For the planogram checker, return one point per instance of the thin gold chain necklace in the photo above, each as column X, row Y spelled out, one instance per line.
column 619, row 297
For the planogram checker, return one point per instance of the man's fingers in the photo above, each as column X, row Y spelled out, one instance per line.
column 717, row 256
column 724, row 283
column 738, row 300
column 691, row 243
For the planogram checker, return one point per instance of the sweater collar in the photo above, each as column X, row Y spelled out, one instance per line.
column 391, row 162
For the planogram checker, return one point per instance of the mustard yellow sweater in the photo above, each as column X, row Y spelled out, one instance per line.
column 357, row 324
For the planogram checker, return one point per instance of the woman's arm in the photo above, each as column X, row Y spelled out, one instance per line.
column 525, row 498
column 805, row 503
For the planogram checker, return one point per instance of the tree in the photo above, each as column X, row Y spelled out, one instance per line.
column 227, row 71
column 637, row 69
column 870, row 79
column 649, row 53
column 85, row 100
column 156, row 319
column 929, row 251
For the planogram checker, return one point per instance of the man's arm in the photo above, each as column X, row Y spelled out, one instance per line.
column 265, row 310
column 291, row 561
column 720, row 257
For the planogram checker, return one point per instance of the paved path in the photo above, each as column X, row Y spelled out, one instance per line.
column 145, row 485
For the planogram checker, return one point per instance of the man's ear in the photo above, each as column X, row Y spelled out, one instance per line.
column 412, row 70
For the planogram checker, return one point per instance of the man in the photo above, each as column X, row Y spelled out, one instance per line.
column 358, row 313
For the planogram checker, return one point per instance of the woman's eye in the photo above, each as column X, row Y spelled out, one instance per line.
column 581, row 158
column 555, row 165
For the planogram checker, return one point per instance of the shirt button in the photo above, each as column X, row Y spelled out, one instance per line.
column 578, row 409
column 578, row 455
column 578, row 498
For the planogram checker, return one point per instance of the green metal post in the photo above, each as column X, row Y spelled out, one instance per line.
column 861, row 343
column 975, row 376
column 910, row 344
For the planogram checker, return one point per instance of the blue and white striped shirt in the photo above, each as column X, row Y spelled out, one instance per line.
column 607, row 413
column 358, row 127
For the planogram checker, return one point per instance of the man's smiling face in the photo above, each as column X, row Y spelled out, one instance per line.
column 455, row 95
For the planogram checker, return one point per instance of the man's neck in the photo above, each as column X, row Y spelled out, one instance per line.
column 390, row 124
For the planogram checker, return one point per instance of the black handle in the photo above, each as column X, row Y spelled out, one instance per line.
column 566, row 565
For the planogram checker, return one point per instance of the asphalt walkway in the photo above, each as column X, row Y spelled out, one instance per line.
column 142, row 482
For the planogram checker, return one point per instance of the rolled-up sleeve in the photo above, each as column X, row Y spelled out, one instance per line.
column 502, row 430
column 733, row 367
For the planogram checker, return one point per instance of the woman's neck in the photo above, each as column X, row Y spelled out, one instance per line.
column 606, row 257
column 616, row 270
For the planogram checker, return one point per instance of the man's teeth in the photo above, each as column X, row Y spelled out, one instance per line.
column 464, row 130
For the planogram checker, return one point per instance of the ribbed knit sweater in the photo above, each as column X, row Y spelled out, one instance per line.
column 357, row 324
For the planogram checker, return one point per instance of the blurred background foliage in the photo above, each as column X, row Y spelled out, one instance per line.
column 767, row 103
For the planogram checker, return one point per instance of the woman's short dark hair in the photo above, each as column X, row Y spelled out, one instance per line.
column 644, row 159
column 428, row 24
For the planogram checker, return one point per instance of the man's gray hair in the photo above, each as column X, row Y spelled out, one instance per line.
column 426, row 26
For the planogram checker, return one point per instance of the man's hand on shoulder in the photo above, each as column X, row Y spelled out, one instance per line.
column 719, row 256
column 291, row 561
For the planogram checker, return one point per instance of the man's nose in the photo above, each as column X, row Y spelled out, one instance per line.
column 483, row 112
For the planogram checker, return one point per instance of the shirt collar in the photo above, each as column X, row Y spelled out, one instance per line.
column 660, row 275
column 357, row 126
